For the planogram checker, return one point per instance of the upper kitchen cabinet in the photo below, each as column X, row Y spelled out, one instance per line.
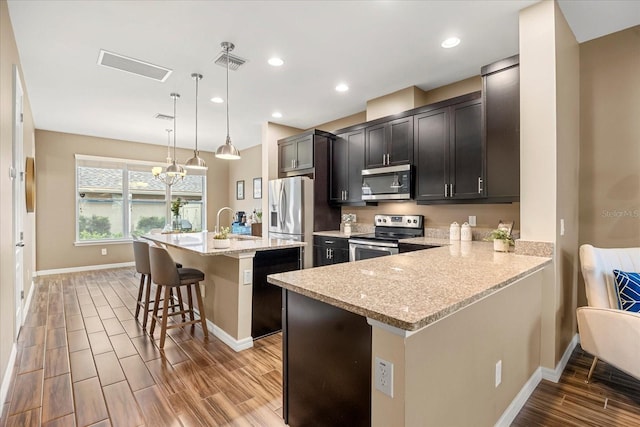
column 449, row 150
column 347, row 162
column 501, row 93
column 297, row 155
column 389, row 143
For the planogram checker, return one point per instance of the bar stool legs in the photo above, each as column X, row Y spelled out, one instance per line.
column 164, row 316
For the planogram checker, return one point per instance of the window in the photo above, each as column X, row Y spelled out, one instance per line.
column 118, row 198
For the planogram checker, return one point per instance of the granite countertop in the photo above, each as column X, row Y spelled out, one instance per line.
column 414, row 289
column 335, row 233
column 202, row 243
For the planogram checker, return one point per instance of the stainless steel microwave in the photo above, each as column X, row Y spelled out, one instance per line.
column 387, row 183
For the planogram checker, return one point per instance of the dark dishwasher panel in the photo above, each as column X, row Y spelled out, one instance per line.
column 266, row 317
column 327, row 364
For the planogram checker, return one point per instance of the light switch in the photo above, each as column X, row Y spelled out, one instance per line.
column 247, row 277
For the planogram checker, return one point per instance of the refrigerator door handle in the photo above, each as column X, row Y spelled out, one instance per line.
column 283, row 206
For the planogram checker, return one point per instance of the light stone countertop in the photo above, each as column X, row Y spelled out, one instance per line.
column 202, row 243
column 335, row 233
column 414, row 289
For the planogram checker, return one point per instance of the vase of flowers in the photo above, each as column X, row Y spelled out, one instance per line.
column 175, row 210
column 221, row 239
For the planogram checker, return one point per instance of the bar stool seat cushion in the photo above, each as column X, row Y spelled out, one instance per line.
column 190, row 275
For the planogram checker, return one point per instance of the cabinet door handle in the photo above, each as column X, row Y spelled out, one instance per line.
column 450, row 190
column 346, row 194
column 446, row 187
column 480, row 185
column 326, row 253
column 329, row 242
column 388, row 159
column 384, row 159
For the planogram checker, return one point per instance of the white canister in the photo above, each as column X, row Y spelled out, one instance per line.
column 347, row 229
column 465, row 232
column 454, row 231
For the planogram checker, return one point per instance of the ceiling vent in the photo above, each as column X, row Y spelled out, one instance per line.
column 133, row 66
column 234, row 61
column 163, row 116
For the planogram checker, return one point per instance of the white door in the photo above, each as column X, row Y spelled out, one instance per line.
column 19, row 208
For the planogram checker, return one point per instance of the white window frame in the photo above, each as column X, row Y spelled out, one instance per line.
column 125, row 196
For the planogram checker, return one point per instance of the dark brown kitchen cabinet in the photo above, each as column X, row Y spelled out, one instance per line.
column 295, row 154
column 449, row 150
column 330, row 250
column 347, row 162
column 501, row 95
column 389, row 143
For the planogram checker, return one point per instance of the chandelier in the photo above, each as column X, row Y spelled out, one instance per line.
column 174, row 172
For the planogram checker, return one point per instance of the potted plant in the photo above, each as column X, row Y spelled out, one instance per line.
column 221, row 239
column 501, row 240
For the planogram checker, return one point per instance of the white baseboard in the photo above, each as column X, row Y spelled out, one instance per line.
column 236, row 345
column 555, row 374
column 83, row 268
column 521, row 398
column 27, row 303
column 8, row 374
column 541, row 373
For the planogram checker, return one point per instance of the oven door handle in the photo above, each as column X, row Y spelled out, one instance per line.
column 370, row 244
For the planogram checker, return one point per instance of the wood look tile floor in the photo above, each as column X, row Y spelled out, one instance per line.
column 83, row 360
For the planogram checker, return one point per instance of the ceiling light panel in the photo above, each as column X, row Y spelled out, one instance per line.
column 275, row 62
column 450, row 42
column 133, row 66
column 342, row 87
column 217, row 100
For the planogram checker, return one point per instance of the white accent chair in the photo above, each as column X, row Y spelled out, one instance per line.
column 606, row 332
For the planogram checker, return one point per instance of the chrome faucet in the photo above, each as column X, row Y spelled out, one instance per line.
column 218, row 217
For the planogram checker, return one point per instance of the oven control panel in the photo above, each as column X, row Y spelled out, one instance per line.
column 404, row 221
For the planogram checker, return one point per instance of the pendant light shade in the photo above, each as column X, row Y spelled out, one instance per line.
column 227, row 151
column 196, row 161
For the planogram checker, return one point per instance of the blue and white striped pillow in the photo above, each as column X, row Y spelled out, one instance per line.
column 628, row 285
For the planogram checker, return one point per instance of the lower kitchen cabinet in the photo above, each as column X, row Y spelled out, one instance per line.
column 266, row 303
column 327, row 364
column 330, row 250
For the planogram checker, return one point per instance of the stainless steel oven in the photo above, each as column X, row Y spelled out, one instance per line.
column 365, row 249
column 389, row 230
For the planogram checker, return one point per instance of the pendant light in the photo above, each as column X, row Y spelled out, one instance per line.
column 157, row 170
column 174, row 172
column 196, row 161
column 227, row 151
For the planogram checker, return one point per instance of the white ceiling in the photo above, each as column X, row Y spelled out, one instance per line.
column 375, row 47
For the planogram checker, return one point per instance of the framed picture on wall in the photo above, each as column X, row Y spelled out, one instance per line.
column 239, row 190
column 257, row 188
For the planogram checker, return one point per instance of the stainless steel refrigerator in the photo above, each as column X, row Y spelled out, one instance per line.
column 291, row 212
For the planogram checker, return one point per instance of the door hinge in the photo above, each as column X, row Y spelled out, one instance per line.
column 21, row 294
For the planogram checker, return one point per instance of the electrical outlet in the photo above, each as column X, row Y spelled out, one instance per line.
column 247, row 277
column 498, row 372
column 103, row 251
column 472, row 220
column 384, row 376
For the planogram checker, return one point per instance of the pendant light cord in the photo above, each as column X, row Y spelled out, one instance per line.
column 227, row 49
column 175, row 97
column 169, row 145
column 197, row 78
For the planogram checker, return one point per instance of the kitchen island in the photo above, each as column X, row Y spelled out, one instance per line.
column 442, row 317
column 239, row 303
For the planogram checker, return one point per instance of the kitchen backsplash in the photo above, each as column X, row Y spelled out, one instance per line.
column 441, row 216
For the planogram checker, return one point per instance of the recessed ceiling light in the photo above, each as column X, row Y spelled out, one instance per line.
column 217, row 100
column 276, row 115
column 450, row 42
column 342, row 87
column 275, row 62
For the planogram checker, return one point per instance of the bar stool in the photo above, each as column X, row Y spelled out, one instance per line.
column 166, row 275
column 143, row 267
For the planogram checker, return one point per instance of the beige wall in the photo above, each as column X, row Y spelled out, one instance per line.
column 430, row 386
column 472, row 84
column 396, row 102
column 610, row 140
column 549, row 147
column 568, row 155
column 352, row 120
column 55, row 182
column 8, row 57
column 246, row 169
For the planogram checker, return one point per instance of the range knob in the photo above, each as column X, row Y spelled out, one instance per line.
column 409, row 221
column 415, row 221
column 384, row 220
